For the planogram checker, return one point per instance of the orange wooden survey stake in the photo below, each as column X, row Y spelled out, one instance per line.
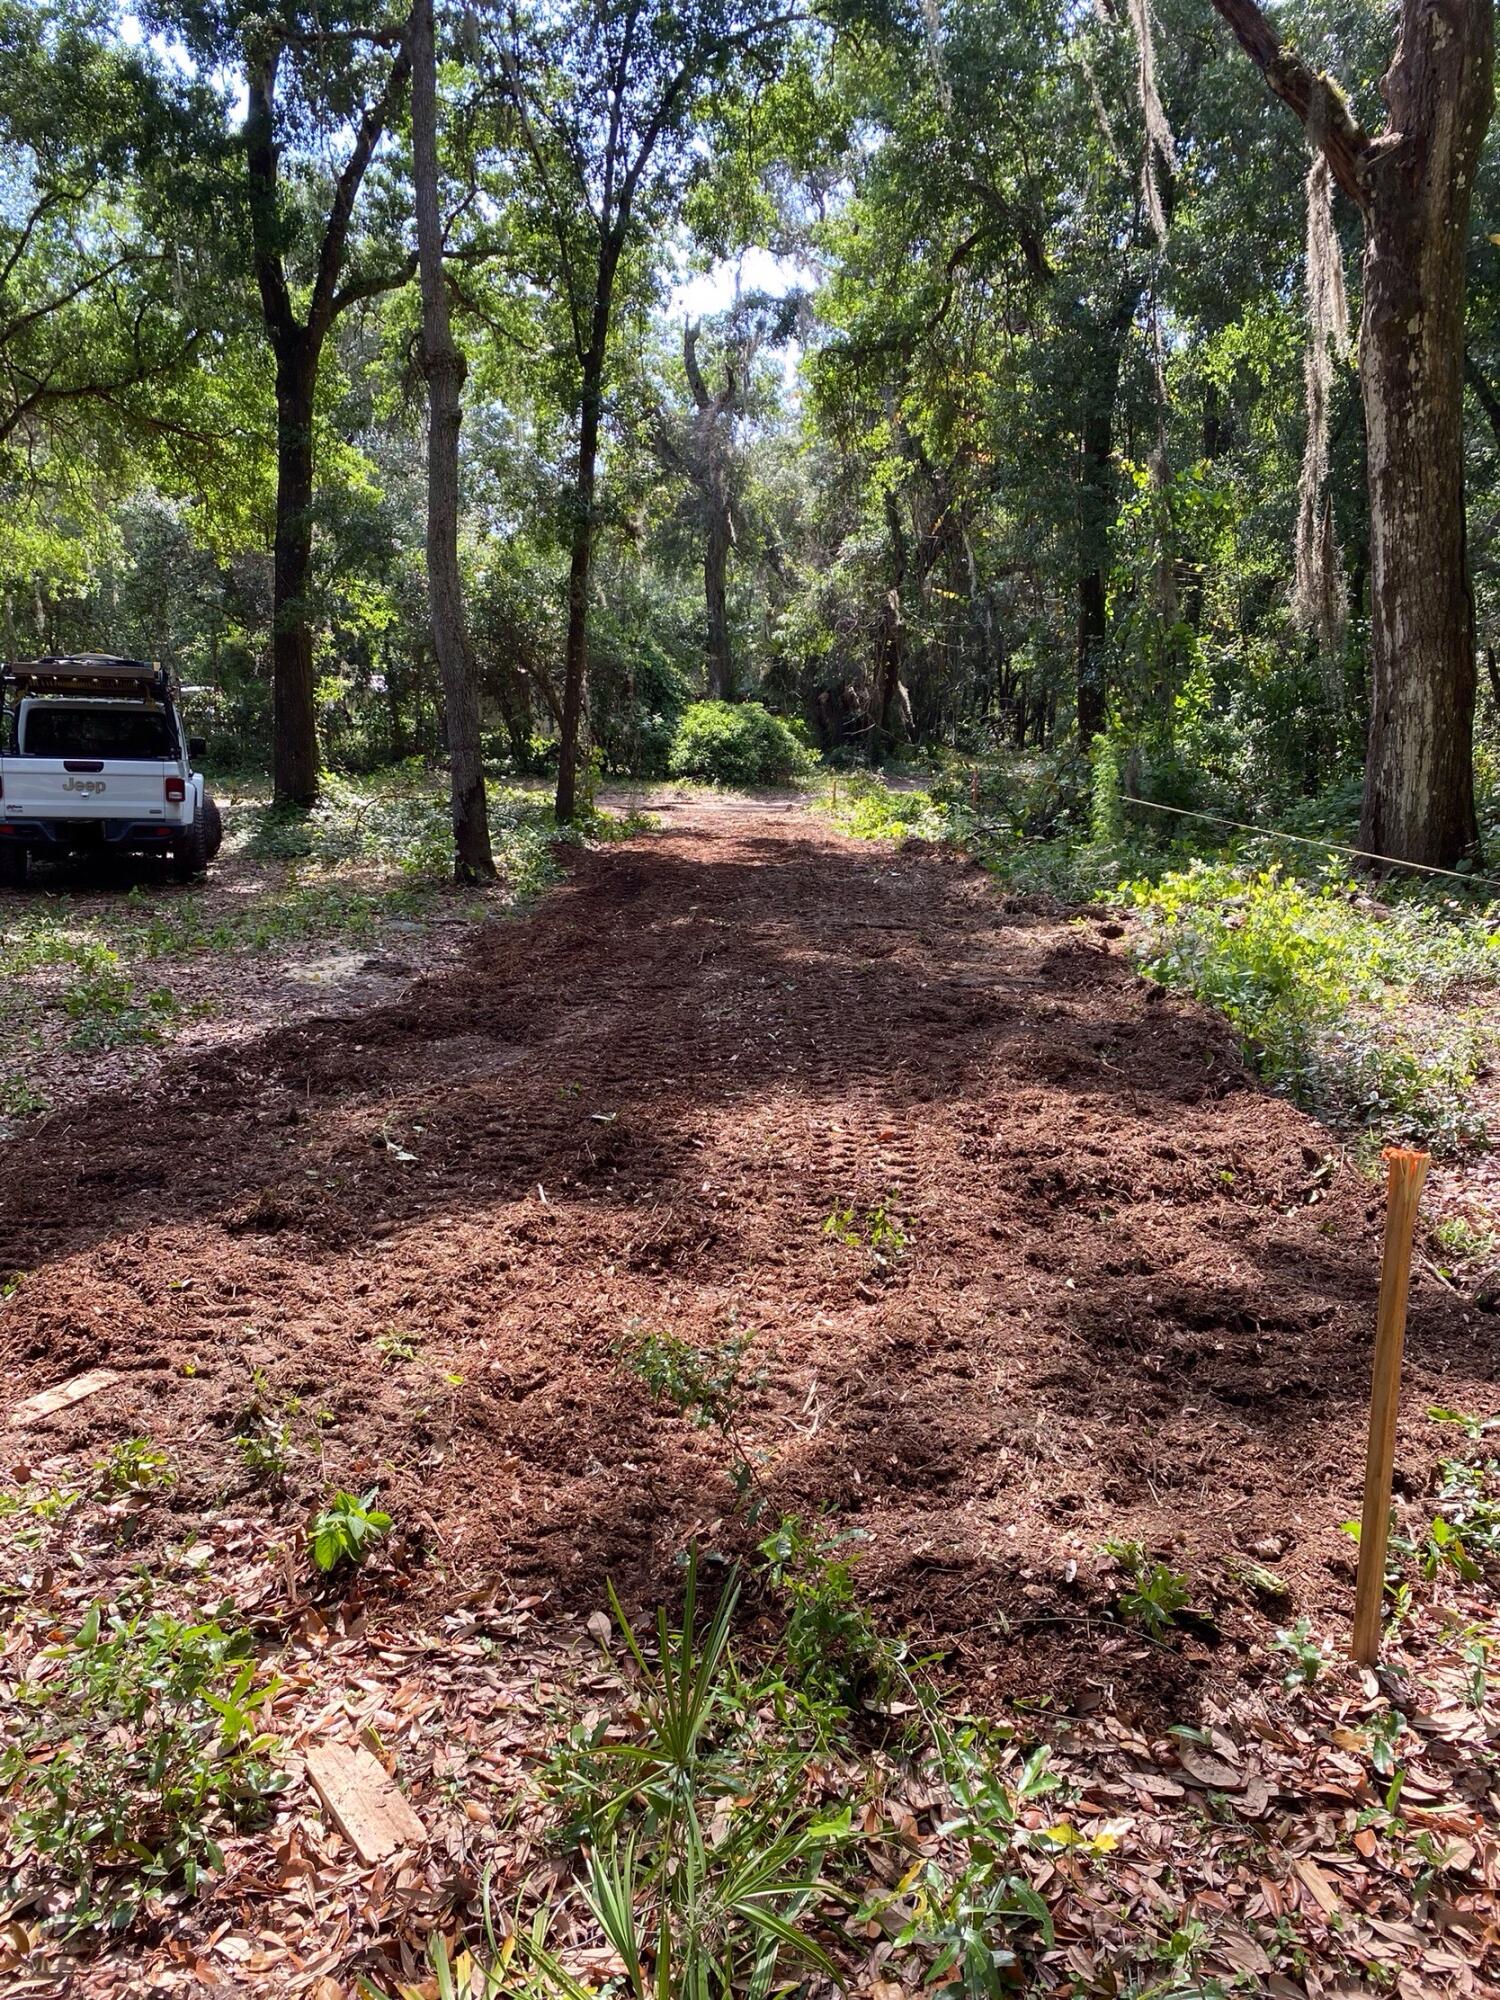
column 1405, row 1173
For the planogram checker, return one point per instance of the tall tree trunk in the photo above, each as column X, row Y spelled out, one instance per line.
column 716, row 548
column 892, row 704
column 444, row 366
column 1096, row 506
column 294, row 734
column 1419, row 767
column 576, row 654
column 1092, row 632
column 297, row 345
column 1412, row 185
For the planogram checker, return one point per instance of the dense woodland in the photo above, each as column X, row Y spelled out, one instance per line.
column 1118, row 371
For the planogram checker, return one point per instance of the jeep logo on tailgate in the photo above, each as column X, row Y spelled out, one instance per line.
column 90, row 787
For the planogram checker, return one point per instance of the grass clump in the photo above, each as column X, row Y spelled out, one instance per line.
column 1313, row 977
column 703, row 1856
column 735, row 743
column 135, row 1745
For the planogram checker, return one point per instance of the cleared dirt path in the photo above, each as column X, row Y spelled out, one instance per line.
column 1135, row 1296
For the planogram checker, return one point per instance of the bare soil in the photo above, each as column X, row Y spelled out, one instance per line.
column 1135, row 1299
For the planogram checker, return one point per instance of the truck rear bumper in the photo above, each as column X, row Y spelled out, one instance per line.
column 62, row 836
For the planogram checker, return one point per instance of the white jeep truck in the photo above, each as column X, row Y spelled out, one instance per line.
column 93, row 758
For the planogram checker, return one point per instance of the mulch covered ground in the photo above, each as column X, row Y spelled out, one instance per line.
column 1135, row 1297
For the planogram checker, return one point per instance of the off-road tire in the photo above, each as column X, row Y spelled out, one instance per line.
column 190, row 850
column 213, row 826
column 13, row 860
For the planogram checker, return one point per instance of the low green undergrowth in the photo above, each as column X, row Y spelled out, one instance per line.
column 718, row 1827
column 134, row 1745
column 398, row 822
column 106, row 1006
column 1333, row 995
column 866, row 806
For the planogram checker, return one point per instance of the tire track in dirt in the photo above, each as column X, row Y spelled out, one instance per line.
column 1130, row 1301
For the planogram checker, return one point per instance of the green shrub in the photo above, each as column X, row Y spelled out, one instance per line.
column 130, row 1750
column 735, row 743
column 1311, row 973
column 863, row 804
column 831, row 1648
column 1106, row 810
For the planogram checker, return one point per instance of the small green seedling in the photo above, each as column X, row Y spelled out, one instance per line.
column 708, row 1385
column 1154, row 1593
column 346, row 1530
column 873, row 1229
column 265, row 1450
column 135, row 1465
column 1303, row 1651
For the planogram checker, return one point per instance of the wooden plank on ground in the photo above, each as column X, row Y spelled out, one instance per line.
column 47, row 1402
column 364, row 1804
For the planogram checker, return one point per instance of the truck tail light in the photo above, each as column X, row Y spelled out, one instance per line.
column 176, row 791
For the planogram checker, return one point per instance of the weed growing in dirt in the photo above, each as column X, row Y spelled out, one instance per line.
column 830, row 1646
column 964, row 1911
column 136, row 1745
column 709, row 1385
column 1463, row 1535
column 265, row 1449
column 873, row 1229
column 135, row 1465
column 346, row 1530
column 396, row 1347
column 1473, row 1428
column 107, row 1011
column 1469, row 1495
column 35, row 1508
column 1153, row 1594
column 1306, row 1656
column 1457, row 1238
column 20, row 1098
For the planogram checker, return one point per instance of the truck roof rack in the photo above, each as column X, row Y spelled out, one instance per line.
column 88, row 673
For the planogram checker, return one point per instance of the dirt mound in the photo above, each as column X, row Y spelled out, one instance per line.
column 1132, row 1298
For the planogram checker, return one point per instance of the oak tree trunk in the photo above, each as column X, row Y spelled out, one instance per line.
column 444, row 366
column 294, row 735
column 1419, row 769
column 576, row 653
column 1096, row 506
column 1412, row 185
column 716, row 548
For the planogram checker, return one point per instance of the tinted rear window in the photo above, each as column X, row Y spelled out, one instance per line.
column 97, row 732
